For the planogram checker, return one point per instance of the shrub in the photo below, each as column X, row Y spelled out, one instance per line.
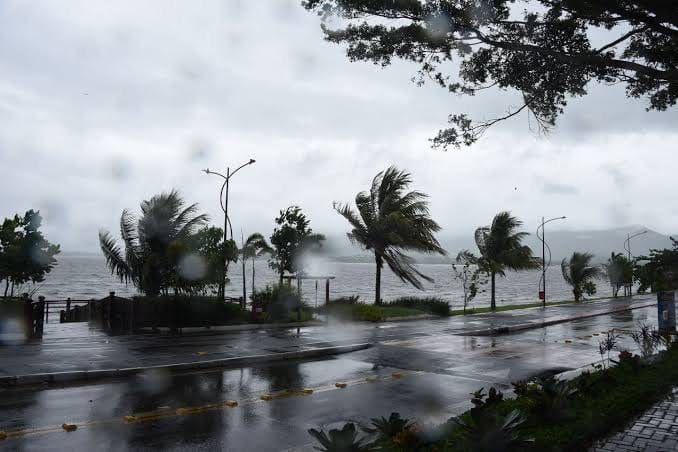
column 432, row 305
column 367, row 312
column 280, row 303
column 346, row 301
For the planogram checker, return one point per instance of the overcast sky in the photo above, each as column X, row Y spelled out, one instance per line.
column 103, row 104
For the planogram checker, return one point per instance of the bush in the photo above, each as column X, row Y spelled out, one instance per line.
column 367, row 312
column 432, row 305
column 281, row 304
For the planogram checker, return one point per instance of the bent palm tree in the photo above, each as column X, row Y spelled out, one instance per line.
column 254, row 246
column 152, row 243
column 619, row 271
column 390, row 222
column 578, row 273
column 501, row 248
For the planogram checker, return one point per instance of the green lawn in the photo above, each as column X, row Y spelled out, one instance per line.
column 397, row 311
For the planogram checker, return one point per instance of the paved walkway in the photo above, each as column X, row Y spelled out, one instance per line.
column 655, row 430
column 77, row 347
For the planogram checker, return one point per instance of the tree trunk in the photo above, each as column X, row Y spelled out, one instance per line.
column 252, row 275
column 493, row 304
column 377, row 286
column 6, row 286
column 244, row 287
column 281, row 277
column 11, row 294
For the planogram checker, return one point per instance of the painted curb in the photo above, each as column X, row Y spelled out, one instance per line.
column 534, row 325
column 91, row 375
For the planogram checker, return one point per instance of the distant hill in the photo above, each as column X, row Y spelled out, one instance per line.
column 562, row 243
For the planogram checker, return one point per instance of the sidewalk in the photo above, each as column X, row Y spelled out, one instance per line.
column 656, row 429
column 71, row 348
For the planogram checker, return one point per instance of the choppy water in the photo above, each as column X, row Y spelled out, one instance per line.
column 86, row 277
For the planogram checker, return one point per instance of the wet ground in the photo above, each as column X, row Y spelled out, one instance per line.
column 419, row 374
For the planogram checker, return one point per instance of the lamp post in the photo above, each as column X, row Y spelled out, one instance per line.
column 544, row 266
column 223, row 203
column 628, row 287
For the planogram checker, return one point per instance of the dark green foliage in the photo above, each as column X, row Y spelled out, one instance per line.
column 647, row 339
column 659, row 270
column 281, row 303
column 579, row 274
column 25, row 254
column 487, row 430
column 255, row 246
column 344, row 440
column 544, row 51
column 207, row 245
column 367, row 312
column 387, row 429
column 185, row 311
column 431, row 305
column 155, row 244
column 501, row 248
column 390, row 222
column 290, row 240
column 619, row 270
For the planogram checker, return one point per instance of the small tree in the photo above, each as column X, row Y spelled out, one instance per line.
column 25, row 254
column 619, row 271
column 208, row 245
column 471, row 279
column 253, row 247
column 290, row 239
column 579, row 273
column 501, row 248
column 659, row 270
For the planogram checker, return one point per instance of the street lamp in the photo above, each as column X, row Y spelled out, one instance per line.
column 544, row 265
column 628, row 286
column 627, row 242
column 223, row 203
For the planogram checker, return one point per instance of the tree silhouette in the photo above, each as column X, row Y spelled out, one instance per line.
column 390, row 222
column 501, row 248
column 578, row 273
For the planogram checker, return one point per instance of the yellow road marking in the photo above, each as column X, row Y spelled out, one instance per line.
column 184, row 411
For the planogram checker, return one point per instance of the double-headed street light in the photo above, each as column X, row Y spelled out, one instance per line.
column 544, row 265
column 223, row 203
column 627, row 242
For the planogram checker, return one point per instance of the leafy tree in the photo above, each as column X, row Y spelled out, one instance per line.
column 208, row 245
column 25, row 254
column 390, row 222
column 470, row 276
column 619, row 271
column 255, row 246
column 579, row 273
column 501, row 248
column 544, row 50
column 291, row 238
column 659, row 270
column 154, row 243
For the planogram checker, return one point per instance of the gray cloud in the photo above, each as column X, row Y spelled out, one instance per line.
column 104, row 104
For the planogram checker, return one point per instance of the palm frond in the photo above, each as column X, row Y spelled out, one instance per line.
column 113, row 255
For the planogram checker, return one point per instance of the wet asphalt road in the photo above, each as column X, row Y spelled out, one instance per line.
column 428, row 377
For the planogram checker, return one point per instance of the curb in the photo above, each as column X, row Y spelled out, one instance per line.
column 91, row 375
column 234, row 328
column 534, row 325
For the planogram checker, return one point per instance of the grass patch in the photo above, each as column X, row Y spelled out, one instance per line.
column 399, row 311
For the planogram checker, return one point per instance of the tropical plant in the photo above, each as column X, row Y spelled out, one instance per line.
column 580, row 274
column 387, row 429
column 344, row 440
column 619, row 271
column 543, row 51
column 290, row 240
column 552, row 398
column 206, row 248
column 501, row 248
column 25, row 254
column 470, row 276
column 154, row 243
column 390, row 222
column 606, row 345
column 489, row 431
column 659, row 270
column 647, row 338
column 255, row 246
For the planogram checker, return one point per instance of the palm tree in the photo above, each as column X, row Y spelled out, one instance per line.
column 254, row 246
column 501, row 248
column 152, row 242
column 390, row 222
column 578, row 273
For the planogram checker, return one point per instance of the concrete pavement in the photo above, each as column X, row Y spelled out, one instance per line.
column 77, row 348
